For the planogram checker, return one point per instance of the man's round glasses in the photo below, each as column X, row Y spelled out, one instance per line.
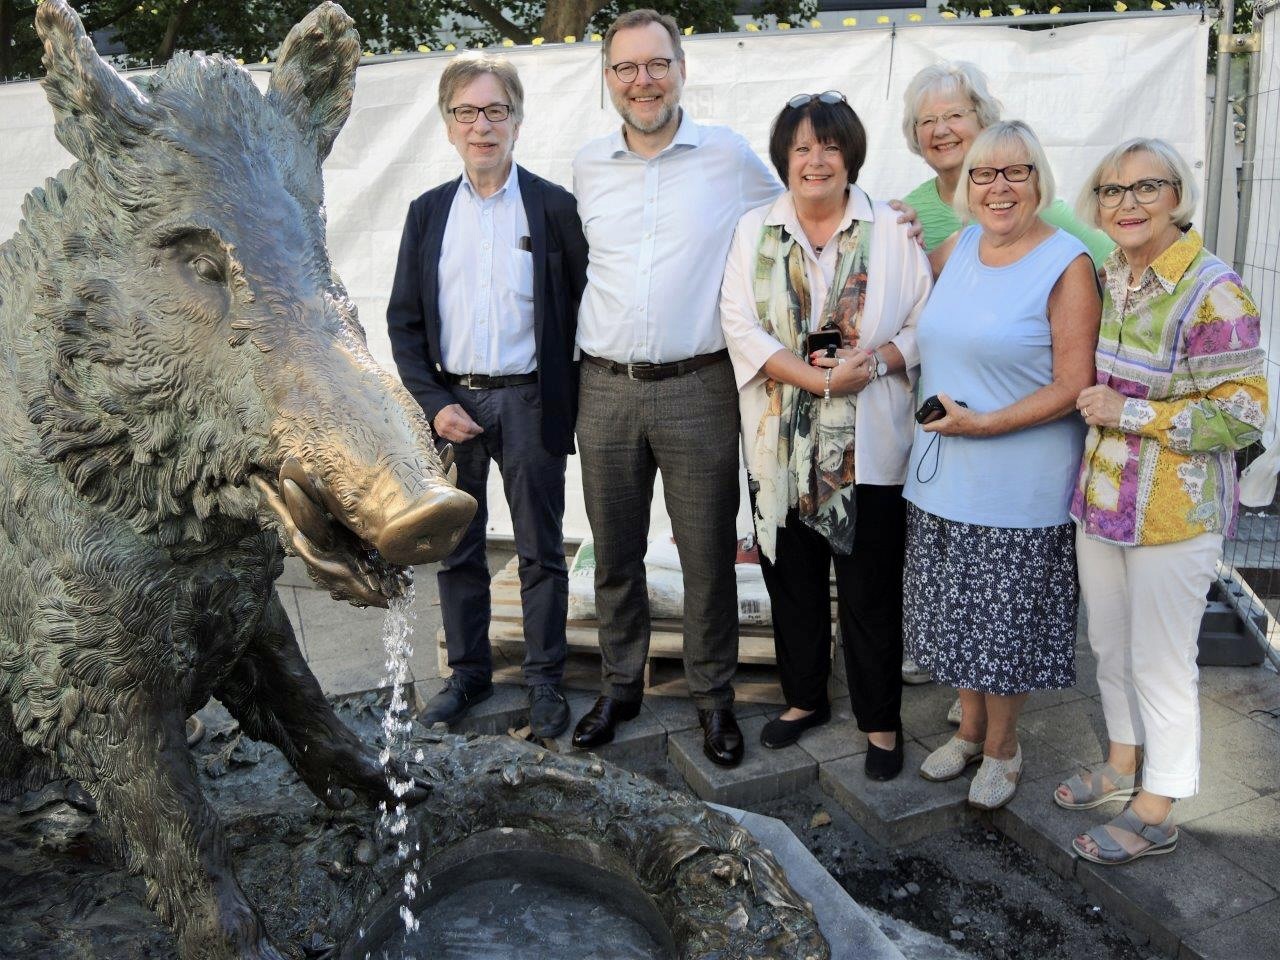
column 829, row 97
column 1144, row 191
column 494, row 112
column 950, row 118
column 1014, row 173
column 656, row 69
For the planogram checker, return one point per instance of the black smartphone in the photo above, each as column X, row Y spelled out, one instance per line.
column 932, row 409
column 828, row 341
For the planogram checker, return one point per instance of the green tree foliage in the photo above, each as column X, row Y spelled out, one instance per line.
column 149, row 31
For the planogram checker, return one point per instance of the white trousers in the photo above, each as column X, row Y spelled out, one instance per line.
column 1144, row 608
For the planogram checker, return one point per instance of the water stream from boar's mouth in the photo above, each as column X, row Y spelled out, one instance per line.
column 397, row 630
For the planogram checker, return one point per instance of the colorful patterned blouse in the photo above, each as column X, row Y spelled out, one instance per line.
column 1184, row 349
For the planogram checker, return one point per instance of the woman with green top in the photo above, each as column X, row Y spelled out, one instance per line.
column 946, row 107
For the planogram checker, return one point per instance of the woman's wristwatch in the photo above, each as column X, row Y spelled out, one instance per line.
column 879, row 367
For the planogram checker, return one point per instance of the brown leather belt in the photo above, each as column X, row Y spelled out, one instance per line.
column 480, row 381
column 658, row 371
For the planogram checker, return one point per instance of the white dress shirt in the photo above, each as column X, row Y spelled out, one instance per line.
column 486, row 283
column 898, row 284
column 658, row 232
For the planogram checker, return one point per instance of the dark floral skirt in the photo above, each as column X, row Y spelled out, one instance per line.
column 991, row 609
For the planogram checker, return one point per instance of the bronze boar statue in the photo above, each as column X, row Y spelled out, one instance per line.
column 185, row 390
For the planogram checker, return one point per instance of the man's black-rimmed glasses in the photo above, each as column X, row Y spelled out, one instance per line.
column 494, row 112
column 656, row 69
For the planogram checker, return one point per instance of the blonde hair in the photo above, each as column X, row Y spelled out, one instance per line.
column 1175, row 167
column 466, row 67
column 950, row 76
column 998, row 136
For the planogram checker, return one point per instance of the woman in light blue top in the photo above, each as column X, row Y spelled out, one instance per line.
column 1006, row 344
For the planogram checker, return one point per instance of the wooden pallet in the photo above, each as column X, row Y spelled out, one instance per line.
column 666, row 637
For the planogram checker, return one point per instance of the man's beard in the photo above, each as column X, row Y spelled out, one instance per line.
column 645, row 126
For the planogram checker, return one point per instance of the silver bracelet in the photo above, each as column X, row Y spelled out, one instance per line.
column 826, row 388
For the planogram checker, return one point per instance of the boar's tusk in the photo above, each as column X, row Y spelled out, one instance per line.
column 306, row 514
column 292, row 469
column 446, row 457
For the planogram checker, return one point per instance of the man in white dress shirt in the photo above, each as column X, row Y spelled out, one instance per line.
column 659, row 200
column 481, row 318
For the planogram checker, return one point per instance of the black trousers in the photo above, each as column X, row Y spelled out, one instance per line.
column 869, row 594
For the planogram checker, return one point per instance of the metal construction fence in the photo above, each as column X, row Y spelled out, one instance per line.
column 1251, row 562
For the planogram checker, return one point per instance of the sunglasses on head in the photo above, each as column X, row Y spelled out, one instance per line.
column 804, row 99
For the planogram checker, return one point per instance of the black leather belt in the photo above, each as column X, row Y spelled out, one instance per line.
column 480, row 381
column 658, row 371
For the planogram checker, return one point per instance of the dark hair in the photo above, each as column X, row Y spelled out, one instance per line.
column 832, row 123
column 640, row 18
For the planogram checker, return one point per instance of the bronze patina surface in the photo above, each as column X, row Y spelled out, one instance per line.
column 186, row 392
column 184, row 388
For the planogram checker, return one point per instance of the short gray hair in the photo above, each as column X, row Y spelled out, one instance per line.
column 1175, row 168
column 950, row 76
column 999, row 135
column 466, row 67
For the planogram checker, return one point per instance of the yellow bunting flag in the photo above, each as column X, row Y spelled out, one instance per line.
column 1157, row 5
column 1120, row 7
column 508, row 42
column 914, row 17
column 816, row 24
column 752, row 27
column 1055, row 10
column 570, row 39
column 688, row 31
column 882, row 19
column 849, row 22
column 947, row 15
column 1017, row 11
column 984, row 13
column 450, row 47
column 423, row 48
column 537, row 41
column 783, row 25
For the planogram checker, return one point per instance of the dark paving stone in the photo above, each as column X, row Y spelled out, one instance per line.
column 508, row 708
column 833, row 740
column 1245, row 751
column 902, row 810
column 762, row 775
column 1249, row 936
column 1075, row 729
column 1038, row 825
column 1247, row 835
column 924, row 709
column 1175, row 896
column 1242, row 688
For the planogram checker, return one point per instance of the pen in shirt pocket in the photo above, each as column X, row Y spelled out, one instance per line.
column 526, row 244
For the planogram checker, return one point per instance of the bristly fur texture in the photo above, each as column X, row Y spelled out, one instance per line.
column 171, row 329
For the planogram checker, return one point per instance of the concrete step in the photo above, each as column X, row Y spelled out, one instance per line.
column 902, row 810
column 763, row 774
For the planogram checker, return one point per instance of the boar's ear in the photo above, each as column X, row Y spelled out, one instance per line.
column 314, row 76
column 94, row 107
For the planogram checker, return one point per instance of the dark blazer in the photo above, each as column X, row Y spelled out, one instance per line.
column 559, row 276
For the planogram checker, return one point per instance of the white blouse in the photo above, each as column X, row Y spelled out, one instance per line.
column 898, row 284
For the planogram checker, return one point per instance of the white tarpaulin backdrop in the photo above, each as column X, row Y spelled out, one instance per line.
column 1082, row 88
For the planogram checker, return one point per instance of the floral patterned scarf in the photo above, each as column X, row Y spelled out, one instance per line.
column 804, row 447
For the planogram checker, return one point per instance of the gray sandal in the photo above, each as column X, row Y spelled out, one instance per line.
column 1126, row 838
column 1085, row 795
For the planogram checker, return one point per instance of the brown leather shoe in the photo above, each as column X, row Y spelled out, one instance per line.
column 721, row 736
column 596, row 727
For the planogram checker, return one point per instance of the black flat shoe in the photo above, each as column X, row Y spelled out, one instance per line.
column 779, row 733
column 882, row 764
column 596, row 727
column 721, row 736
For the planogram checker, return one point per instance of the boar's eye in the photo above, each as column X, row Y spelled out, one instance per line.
column 207, row 268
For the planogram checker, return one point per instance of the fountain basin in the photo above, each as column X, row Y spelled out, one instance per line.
column 511, row 894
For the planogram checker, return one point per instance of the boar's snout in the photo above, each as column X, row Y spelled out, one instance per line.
column 427, row 529
column 353, row 545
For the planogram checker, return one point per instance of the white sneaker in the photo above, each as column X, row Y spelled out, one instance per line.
column 913, row 674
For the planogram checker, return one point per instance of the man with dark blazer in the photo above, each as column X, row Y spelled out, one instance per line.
column 482, row 320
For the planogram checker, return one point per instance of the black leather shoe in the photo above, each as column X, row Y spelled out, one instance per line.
column 452, row 703
column 882, row 764
column 721, row 736
column 548, row 711
column 779, row 733
column 595, row 729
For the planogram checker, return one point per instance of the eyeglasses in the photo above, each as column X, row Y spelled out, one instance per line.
column 830, row 97
column 950, row 118
column 1013, row 173
column 1144, row 191
column 657, row 68
column 494, row 112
